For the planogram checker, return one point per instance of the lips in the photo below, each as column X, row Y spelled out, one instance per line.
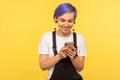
column 66, row 29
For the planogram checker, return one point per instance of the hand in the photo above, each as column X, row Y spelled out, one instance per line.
column 62, row 53
column 70, row 51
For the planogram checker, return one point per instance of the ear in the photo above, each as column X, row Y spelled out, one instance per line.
column 55, row 19
column 74, row 21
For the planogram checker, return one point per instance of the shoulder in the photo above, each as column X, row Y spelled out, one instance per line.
column 47, row 34
column 80, row 36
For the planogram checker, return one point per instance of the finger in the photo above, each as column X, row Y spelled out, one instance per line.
column 73, row 48
column 70, row 56
column 68, row 53
column 64, row 56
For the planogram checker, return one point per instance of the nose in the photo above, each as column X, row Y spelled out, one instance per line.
column 66, row 24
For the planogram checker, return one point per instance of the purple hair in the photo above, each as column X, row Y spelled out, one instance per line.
column 64, row 8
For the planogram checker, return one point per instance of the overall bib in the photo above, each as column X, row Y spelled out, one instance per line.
column 64, row 69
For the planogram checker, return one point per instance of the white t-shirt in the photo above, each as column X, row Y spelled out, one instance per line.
column 46, row 44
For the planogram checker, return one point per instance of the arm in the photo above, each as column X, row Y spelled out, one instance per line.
column 46, row 62
column 77, row 62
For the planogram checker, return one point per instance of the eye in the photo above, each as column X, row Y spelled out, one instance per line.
column 62, row 20
column 70, row 21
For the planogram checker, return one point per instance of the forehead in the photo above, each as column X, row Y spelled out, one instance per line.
column 69, row 15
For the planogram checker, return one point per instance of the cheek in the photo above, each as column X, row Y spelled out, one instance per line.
column 70, row 24
column 60, row 23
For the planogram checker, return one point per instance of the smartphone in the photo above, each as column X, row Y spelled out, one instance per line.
column 69, row 44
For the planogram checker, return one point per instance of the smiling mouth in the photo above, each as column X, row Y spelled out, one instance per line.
column 65, row 29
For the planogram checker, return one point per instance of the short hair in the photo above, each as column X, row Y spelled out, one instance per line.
column 64, row 8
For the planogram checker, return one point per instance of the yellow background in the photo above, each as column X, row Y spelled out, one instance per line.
column 22, row 23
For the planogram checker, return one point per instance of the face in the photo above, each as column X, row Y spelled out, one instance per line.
column 65, row 22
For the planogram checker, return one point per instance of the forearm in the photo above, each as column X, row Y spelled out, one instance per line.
column 50, row 62
column 78, row 63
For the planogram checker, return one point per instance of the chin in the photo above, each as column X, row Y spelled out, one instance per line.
column 65, row 32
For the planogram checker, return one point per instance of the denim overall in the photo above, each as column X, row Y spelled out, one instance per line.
column 64, row 69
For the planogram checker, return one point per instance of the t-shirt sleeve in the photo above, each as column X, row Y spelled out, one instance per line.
column 43, row 48
column 82, row 47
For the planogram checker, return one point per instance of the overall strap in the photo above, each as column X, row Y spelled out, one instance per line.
column 75, row 39
column 54, row 42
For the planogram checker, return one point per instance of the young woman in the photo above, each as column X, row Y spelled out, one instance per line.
column 63, row 52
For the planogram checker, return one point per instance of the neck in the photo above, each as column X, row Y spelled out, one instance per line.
column 62, row 34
